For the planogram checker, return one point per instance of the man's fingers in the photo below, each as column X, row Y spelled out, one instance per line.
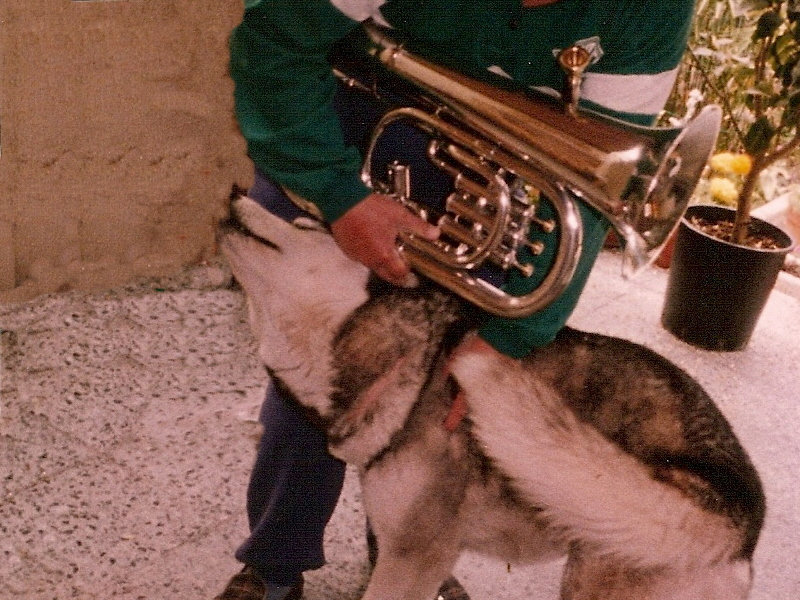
column 393, row 268
column 368, row 233
column 413, row 224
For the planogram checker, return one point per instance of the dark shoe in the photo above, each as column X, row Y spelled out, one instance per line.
column 246, row 585
column 451, row 590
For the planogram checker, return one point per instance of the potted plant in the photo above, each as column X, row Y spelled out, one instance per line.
column 725, row 261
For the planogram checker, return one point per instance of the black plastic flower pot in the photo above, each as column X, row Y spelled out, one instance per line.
column 717, row 290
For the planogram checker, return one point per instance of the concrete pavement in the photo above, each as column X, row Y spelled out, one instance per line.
column 128, row 426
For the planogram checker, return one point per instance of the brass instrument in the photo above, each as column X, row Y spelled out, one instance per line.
column 501, row 146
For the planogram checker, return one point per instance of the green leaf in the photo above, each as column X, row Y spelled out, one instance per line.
column 785, row 48
column 741, row 7
column 791, row 115
column 759, row 137
column 702, row 51
column 789, row 73
column 767, row 24
column 793, row 10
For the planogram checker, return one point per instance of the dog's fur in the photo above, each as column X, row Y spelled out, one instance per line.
column 592, row 446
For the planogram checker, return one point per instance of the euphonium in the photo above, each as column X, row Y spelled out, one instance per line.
column 502, row 148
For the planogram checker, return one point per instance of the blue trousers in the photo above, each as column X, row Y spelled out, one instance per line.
column 295, row 484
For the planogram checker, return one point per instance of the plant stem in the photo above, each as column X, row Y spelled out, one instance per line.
column 784, row 150
column 745, row 200
column 760, row 68
column 721, row 96
column 761, row 160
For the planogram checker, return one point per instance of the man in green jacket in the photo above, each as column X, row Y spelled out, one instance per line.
column 301, row 141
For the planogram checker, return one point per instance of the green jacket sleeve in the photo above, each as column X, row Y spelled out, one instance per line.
column 283, row 91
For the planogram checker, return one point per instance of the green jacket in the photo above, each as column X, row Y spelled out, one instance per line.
column 284, row 86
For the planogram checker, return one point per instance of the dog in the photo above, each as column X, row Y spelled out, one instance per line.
column 591, row 447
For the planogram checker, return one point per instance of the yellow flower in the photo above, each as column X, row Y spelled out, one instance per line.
column 723, row 190
column 730, row 163
column 742, row 163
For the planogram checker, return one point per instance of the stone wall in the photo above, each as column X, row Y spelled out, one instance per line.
column 118, row 141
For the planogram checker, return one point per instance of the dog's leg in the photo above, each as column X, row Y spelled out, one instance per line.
column 591, row 578
column 413, row 555
column 414, row 500
column 411, row 574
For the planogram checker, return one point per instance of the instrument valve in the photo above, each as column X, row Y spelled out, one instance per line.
column 524, row 268
column 399, row 176
column 536, row 247
column 509, row 260
column 546, row 225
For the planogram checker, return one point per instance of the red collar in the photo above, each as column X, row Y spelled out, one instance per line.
column 458, row 410
column 532, row 3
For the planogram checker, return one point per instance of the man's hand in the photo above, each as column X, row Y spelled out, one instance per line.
column 367, row 233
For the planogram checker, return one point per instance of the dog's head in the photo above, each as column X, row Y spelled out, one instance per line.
column 300, row 288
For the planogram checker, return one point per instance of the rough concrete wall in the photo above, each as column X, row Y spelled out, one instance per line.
column 119, row 146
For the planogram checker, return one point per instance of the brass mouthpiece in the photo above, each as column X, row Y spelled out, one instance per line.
column 573, row 61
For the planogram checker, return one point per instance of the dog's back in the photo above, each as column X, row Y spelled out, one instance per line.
column 629, row 460
column 656, row 412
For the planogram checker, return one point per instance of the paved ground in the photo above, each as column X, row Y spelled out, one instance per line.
column 127, row 432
